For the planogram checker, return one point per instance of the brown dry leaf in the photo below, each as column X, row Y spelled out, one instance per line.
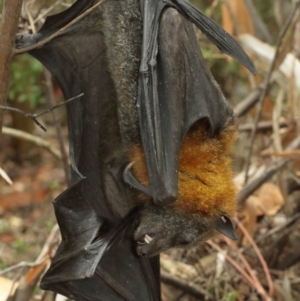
column 236, row 18
column 17, row 199
column 270, row 199
column 7, row 238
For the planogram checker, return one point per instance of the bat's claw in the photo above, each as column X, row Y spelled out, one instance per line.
column 130, row 179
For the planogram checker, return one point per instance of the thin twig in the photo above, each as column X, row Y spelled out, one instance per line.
column 34, row 116
column 232, row 17
column 30, row 19
column 29, row 137
column 189, row 288
column 254, row 184
column 257, row 285
column 5, row 176
column 27, row 284
column 283, row 154
column 266, row 84
column 246, row 104
column 232, row 262
column 60, row 31
column 259, row 256
column 56, row 106
column 279, row 228
column 46, row 12
column 57, row 125
column 43, row 256
column 23, row 264
column 213, row 7
column 275, row 120
column 14, row 284
column 50, row 242
column 265, row 126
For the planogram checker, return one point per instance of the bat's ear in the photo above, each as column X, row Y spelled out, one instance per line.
column 225, row 226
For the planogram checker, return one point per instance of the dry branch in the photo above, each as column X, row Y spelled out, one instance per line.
column 245, row 105
column 29, row 137
column 33, row 117
column 188, row 287
column 8, row 27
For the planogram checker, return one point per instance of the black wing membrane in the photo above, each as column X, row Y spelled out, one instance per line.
column 176, row 89
column 222, row 39
column 97, row 199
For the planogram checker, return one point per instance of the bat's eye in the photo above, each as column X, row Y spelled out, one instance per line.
column 146, row 239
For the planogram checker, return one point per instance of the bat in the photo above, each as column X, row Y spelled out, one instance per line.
column 187, row 131
column 149, row 143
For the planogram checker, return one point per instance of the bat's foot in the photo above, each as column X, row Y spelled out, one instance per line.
column 26, row 40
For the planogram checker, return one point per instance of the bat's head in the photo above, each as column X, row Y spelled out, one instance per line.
column 161, row 228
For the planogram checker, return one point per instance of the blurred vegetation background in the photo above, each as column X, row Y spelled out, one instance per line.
column 33, row 172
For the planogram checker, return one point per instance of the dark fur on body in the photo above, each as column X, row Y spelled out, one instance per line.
column 119, row 23
column 123, row 35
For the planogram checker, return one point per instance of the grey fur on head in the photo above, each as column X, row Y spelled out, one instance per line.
column 161, row 228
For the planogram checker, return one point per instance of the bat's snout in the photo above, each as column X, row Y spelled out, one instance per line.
column 146, row 245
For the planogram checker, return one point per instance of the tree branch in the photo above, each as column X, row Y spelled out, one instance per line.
column 188, row 287
column 29, row 137
column 8, row 28
column 34, row 116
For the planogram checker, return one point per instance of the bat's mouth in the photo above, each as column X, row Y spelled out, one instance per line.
column 146, row 239
column 145, row 246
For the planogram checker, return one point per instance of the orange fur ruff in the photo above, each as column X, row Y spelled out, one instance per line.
column 205, row 185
